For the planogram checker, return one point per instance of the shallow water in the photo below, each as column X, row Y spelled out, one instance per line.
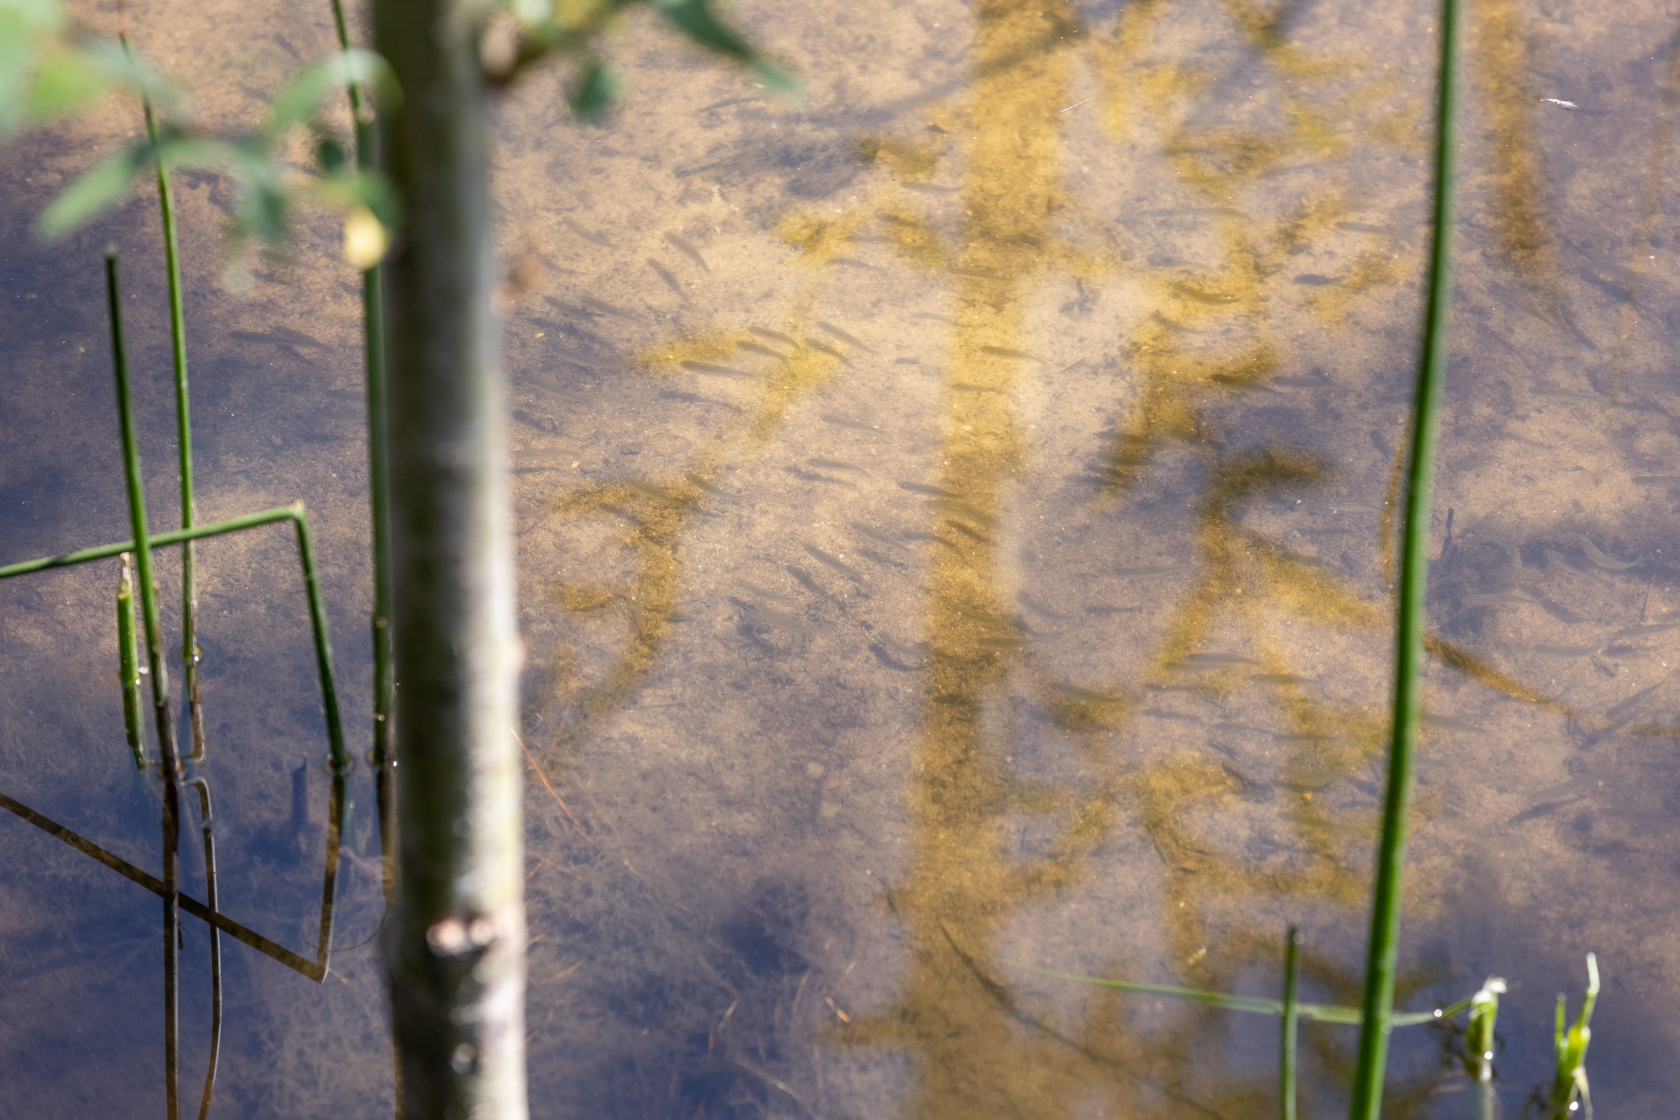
column 1026, row 604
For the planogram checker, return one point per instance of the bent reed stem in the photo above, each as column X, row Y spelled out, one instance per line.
column 295, row 513
column 1378, row 1004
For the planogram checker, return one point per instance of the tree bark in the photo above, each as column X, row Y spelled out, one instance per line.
column 456, row 951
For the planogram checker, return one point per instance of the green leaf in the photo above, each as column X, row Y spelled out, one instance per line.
column 99, row 188
column 121, row 68
column 25, row 27
column 299, row 100
column 696, row 19
column 67, row 81
column 594, row 89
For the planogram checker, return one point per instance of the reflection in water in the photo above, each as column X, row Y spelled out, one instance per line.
column 206, row 912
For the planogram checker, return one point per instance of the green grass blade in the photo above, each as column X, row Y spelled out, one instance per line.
column 1383, row 951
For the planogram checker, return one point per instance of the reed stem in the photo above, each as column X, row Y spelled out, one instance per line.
column 323, row 640
column 190, row 653
column 294, row 513
column 197, row 533
column 1291, row 1024
column 1255, row 1005
column 210, row 899
column 373, row 334
column 160, row 697
column 141, row 545
column 1378, row 1003
column 128, row 664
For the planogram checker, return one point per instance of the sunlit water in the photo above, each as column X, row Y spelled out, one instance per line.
column 1016, row 595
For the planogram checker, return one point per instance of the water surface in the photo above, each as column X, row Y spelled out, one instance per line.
column 955, row 522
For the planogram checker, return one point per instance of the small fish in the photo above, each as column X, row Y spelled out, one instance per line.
column 915, row 652
column 648, row 490
column 933, row 318
column 1559, row 102
column 719, row 371
column 1281, row 678
column 280, row 336
column 844, row 422
column 695, row 398
column 1603, row 561
column 1641, row 631
column 557, row 394
column 1447, row 723
column 1034, row 607
column 775, row 619
column 1567, row 651
column 1084, row 695
column 1575, row 787
column 979, row 616
column 1562, row 561
column 709, row 488
column 601, row 307
column 924, row 488
column 879, row 537
column 1199, row 296
column 1626, row 706
column 812, row 476
column 1657, row 480
column 578, row 358
column 775, row 336
column 1005, row 352
column 670, row 281
column 1362, row 227
column 1300, row 383
column 971, row 534
column 842, row 336
column 593, row 238
column 825, row 348
column 1314, row 280
column 688, row 251
column 1200, row 662
column 533, row 455
column 755, row 348
column 927, row 188
column 970, row 387
column 1512, row 552
column 835, row 465
column 1499, row 598
column 1008, row 643
column 979, row 273
column 1349, row 505
column 1157, row 570
column 964, row 509
column 764, row 592
column 834, row 562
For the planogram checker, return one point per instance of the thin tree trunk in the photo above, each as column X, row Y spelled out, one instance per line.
column 456, row 952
